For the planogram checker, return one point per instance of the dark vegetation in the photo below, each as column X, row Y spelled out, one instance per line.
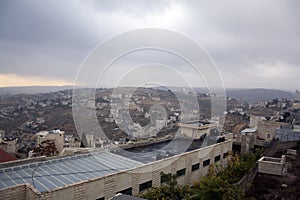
column 218, row 184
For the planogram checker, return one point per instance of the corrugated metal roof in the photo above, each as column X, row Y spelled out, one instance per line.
column 52, row 174
column 249, row 130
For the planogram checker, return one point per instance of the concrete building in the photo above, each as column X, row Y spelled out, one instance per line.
column 274, row 166
column 297, row 95
column 266, row 129
column 248, row 139
column 54, row 135
column 249, row 131
column 8, row 144
column 2, row 134
column 288, row 133
column 90, row 141
column 102, row 175
column 194, row 130
column 260, row 133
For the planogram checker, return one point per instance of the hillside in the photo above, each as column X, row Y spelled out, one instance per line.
column 256, row 95
column 244, row 95
column 32, row 89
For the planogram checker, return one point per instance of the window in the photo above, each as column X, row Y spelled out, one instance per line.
column 127, row 191
column 180, row 172
column 206, row 162
column 145, row 185
column 195, row 167
column 217, row 158
column 165, row 177
column 225, row 155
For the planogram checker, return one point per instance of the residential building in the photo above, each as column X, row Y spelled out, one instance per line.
column 8, row 144
column 248, row 139
column 194, row 130
column 55, row 135
column 297, row 95
column 288, row 133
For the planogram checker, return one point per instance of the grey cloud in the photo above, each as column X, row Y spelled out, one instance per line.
column 50, row 38
column 254, row 29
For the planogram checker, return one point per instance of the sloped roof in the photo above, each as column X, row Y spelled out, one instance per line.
column 59, row 172
column 6, row 157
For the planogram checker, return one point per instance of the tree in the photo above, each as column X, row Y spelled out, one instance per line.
column 238, row 166
column 218, row 184
column 214, row 187
column 169, row 190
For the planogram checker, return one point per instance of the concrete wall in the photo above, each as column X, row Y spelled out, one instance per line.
column 247, row 143
column 20, row 192
column 267, row 128
column 269, row 165
column 192, row 131
column 108, row 186
column 9, row 146
column 288, row 134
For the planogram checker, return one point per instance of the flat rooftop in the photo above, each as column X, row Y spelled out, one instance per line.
column 60, row 172
column 195, row 125
column 161, row 150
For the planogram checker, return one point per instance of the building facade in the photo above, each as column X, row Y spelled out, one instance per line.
column 133, row 178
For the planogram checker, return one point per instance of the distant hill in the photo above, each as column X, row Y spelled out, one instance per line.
column 32, row 89
column 244, row 95
column 256, row 95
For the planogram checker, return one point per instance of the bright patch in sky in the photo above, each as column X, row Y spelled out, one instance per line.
column 8, row 80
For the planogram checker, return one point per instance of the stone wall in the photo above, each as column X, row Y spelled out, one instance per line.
column 18, row 192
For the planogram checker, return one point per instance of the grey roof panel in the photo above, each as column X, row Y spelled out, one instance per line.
column 48, row 175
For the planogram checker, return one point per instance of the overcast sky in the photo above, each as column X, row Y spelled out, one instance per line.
column 254, row 43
